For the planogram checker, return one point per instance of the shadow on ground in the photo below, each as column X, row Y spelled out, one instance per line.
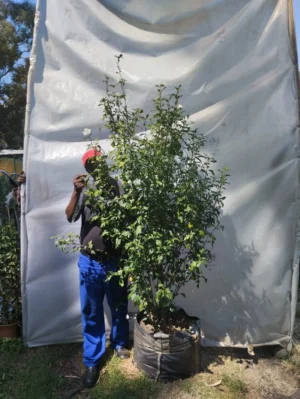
column 121, row 379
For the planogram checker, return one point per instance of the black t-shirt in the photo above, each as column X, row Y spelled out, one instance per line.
column 90, row 230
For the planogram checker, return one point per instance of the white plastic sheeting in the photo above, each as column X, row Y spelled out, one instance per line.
column 236, row 62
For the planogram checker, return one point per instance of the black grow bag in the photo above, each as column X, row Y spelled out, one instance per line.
column 165, row 357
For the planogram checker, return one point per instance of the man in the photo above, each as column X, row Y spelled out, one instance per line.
column 13, row 199
column 94, row 270
column 21, row 180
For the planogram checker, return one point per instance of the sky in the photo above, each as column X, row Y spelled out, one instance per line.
column 296, row 14
column 297, row 22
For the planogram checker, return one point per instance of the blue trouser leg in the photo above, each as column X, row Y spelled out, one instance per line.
column 117, row 299
column 91, row 297
column 93, row 287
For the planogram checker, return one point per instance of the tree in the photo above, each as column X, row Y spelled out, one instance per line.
column 16, row 32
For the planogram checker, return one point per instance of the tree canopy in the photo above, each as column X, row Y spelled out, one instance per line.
column 16, row 32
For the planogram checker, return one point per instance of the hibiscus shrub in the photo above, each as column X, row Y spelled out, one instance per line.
column 163, row 224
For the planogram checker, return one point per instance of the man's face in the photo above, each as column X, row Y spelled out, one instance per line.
column 90, row 166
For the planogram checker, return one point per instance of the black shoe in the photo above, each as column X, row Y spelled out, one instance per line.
column 122, row 353
column 91, row 376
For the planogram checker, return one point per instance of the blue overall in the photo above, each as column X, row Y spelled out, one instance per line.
column 93, row 288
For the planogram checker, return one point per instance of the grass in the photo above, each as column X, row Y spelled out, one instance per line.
column 293, row 362
column 236, row 386
column 114, row 384
column 120, row 380
column 28, row 374
column 55, row 373
column 45, row 373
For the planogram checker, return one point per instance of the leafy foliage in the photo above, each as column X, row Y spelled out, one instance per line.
column 10, row 293
column 68, row 244
column 11, row 345
column 164, row 222
column 16, row 32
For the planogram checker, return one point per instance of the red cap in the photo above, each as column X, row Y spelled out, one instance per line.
column 90, row 154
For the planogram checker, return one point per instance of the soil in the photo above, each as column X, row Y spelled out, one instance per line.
column 176, row 321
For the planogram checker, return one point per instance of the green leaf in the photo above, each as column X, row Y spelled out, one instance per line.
column 138, row 230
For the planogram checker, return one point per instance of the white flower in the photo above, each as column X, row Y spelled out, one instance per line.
column 137, row 182
column 95, row 144
column 177, row 159
column 188, row 121
column 179, row 106
column 87, row 132
column 177, row 125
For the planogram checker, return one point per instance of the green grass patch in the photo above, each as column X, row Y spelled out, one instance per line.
column 114, row 384
column 236, row 386
column 29, row 373
column 14, row 345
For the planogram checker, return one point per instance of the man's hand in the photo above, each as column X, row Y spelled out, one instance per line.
column 79, row 182
column 21, row 178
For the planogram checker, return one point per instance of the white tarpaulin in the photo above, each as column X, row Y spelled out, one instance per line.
column 236, row 62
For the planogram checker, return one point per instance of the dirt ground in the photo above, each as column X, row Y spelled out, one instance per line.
column 226, row 375
column 264, row 378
